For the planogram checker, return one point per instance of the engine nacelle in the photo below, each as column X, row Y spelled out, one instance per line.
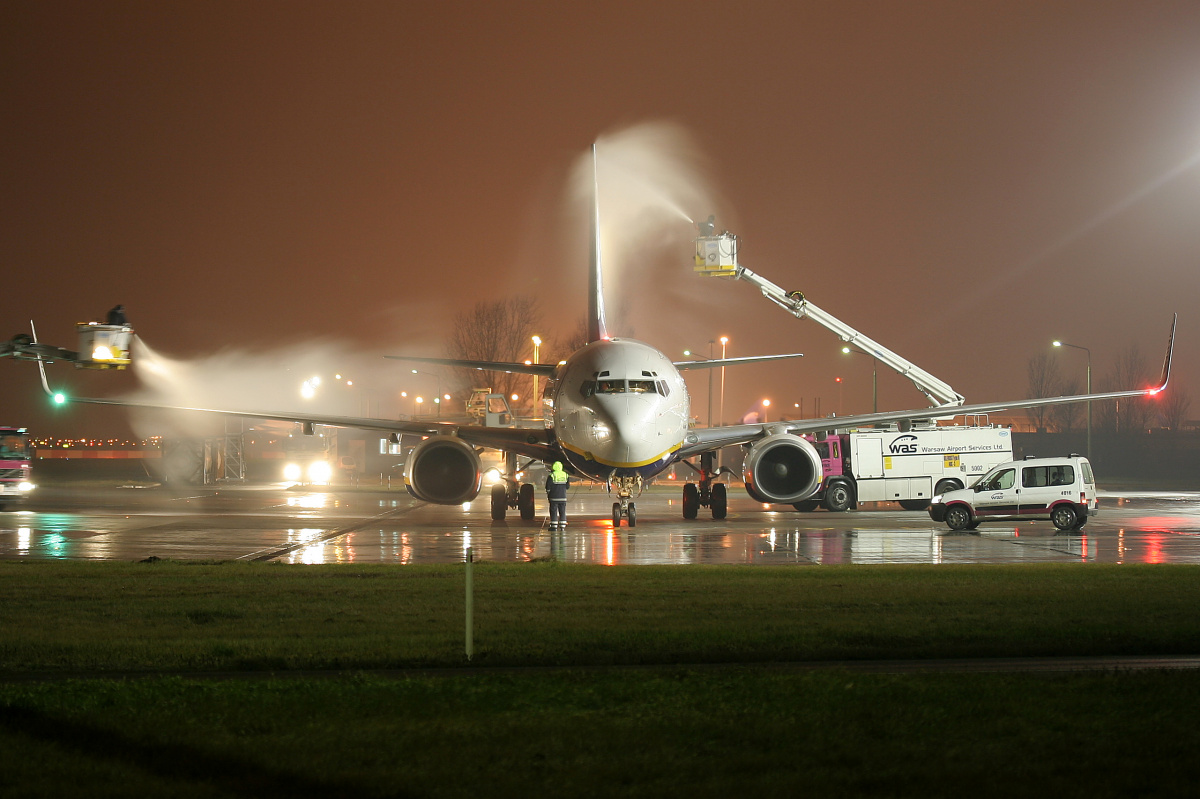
column 443, row 469
column 782, row 468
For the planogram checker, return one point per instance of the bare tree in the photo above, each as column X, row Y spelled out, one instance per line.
column 563, row 346
column 1173, row 406
column 1131, row 414
column 499, row 330
column 1043, row 382
column 1070, row 415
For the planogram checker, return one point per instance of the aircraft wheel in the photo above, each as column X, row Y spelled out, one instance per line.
column 616, row 514
column 691, row 500
column 1064, row 517
column 914, row 504
column 499, row 501
column 838, row 498
column 525, row 501
column 958, row 518
column 806, row 506
column 719, row 501
column 632, row 514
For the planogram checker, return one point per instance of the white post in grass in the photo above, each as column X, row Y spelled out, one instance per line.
column 470, row 622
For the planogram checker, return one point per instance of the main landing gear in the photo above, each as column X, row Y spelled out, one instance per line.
column 709, row 493
column 623, row 507
column 509, row 493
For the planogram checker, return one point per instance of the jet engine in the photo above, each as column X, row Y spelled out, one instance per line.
column 782, row 468
column 443, row 469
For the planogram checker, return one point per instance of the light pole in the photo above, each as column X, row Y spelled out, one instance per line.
column 438, row 399
column 1089, row 390
column 692, row 355
column 721, row 413
column 874, row 377
column 537, row 397
column 766, row 403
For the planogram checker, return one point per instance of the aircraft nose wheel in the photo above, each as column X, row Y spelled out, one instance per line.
column 629, row 513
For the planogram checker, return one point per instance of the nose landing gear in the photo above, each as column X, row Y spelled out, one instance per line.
column 624, row 507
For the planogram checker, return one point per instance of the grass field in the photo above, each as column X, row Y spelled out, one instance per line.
column 610, row 687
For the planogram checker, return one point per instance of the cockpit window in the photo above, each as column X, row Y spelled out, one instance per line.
column 610, row 387
column 642, row 387
column 588, row 388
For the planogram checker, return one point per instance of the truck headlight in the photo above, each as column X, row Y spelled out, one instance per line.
column 291, row 472
column 24, row 485
column 319, row 472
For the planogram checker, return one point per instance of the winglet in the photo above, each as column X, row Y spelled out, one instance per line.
column 1166, row 372
column 596, row 326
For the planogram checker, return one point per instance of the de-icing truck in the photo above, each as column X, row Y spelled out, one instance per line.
column 15, row 466
column 909, row 467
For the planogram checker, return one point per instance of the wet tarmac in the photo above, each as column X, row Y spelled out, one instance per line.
column 291, row 525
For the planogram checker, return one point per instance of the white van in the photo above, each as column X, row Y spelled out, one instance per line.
column 1062, row 490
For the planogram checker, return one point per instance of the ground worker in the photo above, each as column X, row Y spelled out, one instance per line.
column 557, row 483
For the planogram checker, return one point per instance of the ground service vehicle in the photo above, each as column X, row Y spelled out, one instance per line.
column 909, row 467
column 1062, row 490
column 16, row 468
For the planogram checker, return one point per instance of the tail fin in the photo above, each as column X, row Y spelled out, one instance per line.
column 596, row 326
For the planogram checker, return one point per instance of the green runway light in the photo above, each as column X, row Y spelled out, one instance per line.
column 59, row 398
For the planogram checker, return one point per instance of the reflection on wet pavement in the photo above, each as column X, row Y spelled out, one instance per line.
column 271, row 523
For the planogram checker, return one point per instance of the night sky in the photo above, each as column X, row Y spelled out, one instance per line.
column 963, row 181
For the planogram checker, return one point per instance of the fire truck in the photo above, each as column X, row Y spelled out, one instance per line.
column 15, row 466
column 909, row 467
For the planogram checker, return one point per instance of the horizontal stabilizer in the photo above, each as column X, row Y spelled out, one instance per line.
column 682, row 365
column 543, row 369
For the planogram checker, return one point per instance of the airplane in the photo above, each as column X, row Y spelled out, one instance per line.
column 620, row 416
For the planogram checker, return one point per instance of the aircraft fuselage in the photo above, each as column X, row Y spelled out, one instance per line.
column 620, row 410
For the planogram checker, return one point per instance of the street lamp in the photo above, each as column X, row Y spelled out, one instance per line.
column 766, row 403
column 874, row 377
column 438, row 399
column 537, row 397
column 1089, row 390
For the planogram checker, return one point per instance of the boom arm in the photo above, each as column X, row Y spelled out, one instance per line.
column 717, row 256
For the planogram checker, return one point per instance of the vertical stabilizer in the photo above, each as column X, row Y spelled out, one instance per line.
column 596, row 327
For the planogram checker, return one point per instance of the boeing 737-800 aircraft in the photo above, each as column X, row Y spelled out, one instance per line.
column 621, row 416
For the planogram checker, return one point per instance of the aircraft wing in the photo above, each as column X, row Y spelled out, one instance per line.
column 533, row 443
column 705, row 439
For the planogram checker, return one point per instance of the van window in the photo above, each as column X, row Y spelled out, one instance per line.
column 1001, row 480
column 1059, row 474
column 1087, row 473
